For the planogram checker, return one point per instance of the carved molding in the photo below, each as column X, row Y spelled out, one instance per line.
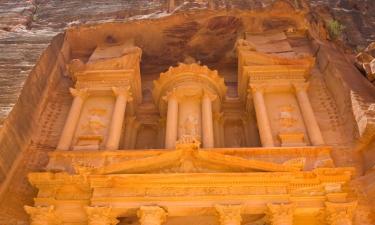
column 100, row 216
column 151, row 215
column 229, row 214
column 42, row 215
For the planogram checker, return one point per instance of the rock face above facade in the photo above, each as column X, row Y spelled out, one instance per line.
column 26, row 27
column 192, row 33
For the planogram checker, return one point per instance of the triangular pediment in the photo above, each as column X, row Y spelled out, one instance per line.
column 190, row 159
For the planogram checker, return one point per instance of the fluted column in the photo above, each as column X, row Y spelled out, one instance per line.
column 71, row 122
column 207, row 125
column 340, row 213
column 172, row 120
column 123, row 95
column 308, row 114
column 262, row 116
column 42, row 215
column 100, row 216
column 281, row 214
column 229, row 214
column 151, row 215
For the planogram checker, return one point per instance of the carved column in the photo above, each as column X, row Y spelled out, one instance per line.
column 340, row 213
column 123, row 95
column 151, row 215
column 172, row 120
column 42, row 215
column 100, row 216
column 73, row 117
column 281, row 214
column 262, row 116
column 308, row 114
column 207, row 125
column 229, row 214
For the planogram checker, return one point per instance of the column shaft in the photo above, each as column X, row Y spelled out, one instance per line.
column 172, row 116
column 262, row 118
column 114, row 134
column 308, row 115
column 207, row 125
column 72, row 120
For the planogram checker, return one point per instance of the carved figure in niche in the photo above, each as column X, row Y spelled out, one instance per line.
column 95, row 123
column 286, row 117
column 190, row 126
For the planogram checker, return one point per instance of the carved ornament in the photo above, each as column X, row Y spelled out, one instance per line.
column 101, row 216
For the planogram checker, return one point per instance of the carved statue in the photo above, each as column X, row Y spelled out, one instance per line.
column 95, row 122
column 286, row 117
column 190, row 126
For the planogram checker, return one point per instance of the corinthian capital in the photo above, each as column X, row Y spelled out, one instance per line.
column 281, row 214
column 124, row 91
column 83, row 93
column 100, row 216
column 42, row 215
column 229, row 214
column 253, row 88
column 208, row 94
column 170, row 95
column 340, row 213
column 151, row 215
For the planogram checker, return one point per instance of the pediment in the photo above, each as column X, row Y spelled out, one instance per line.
column 190, row 159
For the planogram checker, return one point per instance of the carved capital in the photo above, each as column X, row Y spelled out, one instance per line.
column 281, row 214
column 340, row 213
column 209, row 95
column 151, row 215
column 229, row 214
column 123, row 91
column 82, row 93
column 254, row 88
column 100, row 216
column 42, row 215
column 300, row 86
column 170, row 95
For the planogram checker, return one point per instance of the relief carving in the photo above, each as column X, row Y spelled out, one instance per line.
column 286, row 118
